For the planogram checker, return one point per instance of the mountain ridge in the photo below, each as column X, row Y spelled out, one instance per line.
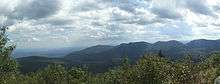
column 105, row 56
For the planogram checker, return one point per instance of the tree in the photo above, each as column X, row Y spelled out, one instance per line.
column 77, row 76
column 54, row 74
column 8, row 66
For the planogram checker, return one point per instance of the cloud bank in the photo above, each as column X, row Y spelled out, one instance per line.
column 62, row 23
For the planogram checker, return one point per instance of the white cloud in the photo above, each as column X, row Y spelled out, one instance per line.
column 45, row 23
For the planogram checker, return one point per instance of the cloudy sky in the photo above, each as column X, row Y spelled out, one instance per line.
column 62, row 23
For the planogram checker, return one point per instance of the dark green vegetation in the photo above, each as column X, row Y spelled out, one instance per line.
column 149, row 69
column 34, row 63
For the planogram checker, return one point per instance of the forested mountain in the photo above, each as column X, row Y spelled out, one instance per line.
column 171, row 49
column 35, row 63
column 132, row 50
column 203, row 46
column 105, row 56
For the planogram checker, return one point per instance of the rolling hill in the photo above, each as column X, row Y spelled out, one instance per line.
column 105, row 56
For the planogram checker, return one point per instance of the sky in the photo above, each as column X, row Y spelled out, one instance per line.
column 75, row 23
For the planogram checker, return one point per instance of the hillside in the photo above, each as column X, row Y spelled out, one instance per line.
column 171, row 49
column 105, row 56
column 35, row 63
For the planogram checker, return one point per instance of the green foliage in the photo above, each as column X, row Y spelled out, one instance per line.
column 8, row 67
column 54, row 74
column 76, row 76
column 157, row 70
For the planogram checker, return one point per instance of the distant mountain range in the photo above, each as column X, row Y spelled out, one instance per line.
column 105, row 56
column 171, row 49
column 44, row 52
